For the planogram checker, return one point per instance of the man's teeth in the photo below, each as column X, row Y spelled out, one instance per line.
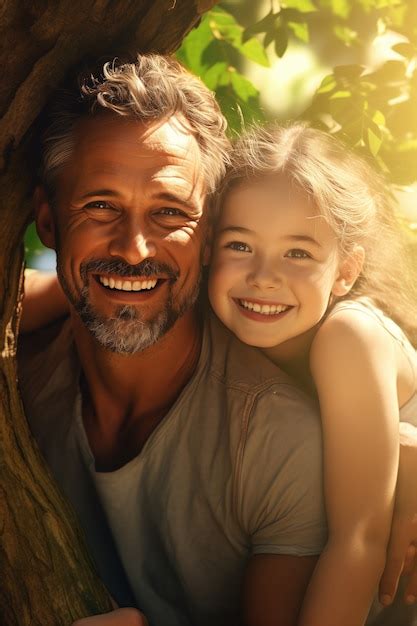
column 264, row 309
column 127, row 285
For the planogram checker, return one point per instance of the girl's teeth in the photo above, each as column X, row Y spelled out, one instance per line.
column 264, row 309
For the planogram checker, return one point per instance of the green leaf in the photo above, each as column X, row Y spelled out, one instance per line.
column 304, row 6
column 379, row 118
column 341, row 8
column 281, row 41
column 217, row 51
column 192, row 48
column 224, row 27
column 33, row 246
column 238, row 112
column 327, row 84
column 341, row 95
column 265, row 24
column 216, row 75
column 243, row 88
column 345, row 34
column 252, row 49
column 269, row 37
column 373, row 139
column 348, row 110
column 300, row 30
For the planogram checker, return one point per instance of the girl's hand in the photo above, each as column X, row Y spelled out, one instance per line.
column 401, row 553
column 120, row 617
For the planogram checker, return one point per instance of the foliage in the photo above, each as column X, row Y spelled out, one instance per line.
column 374, row 111
column 211, row 51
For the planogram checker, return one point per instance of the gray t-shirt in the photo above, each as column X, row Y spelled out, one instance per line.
column 234, row 469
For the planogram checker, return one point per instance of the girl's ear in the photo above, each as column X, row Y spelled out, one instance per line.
column 44, row 218
column 349, row 270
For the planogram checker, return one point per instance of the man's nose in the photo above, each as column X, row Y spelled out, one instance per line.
column 266, row 274
column 132, row 243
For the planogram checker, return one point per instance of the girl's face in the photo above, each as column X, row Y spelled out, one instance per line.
column 275, row 263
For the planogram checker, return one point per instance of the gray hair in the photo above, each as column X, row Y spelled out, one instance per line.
column 153, row 88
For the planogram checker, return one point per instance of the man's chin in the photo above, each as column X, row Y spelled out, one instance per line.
column 126, row 333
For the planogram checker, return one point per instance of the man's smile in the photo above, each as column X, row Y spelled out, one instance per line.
column 128, row 289
column 125, row 284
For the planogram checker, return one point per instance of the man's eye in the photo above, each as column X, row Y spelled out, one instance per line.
column 99, row 204
column 170, row 211
column 101, row 210
column 238, row 246
column 296, row 253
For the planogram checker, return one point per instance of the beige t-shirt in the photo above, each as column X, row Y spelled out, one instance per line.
column 233, row 470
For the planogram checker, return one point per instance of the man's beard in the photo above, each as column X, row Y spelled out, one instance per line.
column 126, row 332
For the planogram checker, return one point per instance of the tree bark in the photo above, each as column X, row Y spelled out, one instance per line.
column 47, row 578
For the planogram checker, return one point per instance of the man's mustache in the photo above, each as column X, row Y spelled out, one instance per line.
column 147, row 268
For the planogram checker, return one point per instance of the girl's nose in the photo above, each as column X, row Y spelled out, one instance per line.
column 266, row 276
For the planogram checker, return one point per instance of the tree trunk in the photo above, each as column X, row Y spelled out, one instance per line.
column 47, row 578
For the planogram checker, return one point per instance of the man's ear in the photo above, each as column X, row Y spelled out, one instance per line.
column 44, row 218
column 349, row 270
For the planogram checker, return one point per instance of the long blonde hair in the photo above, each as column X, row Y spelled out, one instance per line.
column 352, row 197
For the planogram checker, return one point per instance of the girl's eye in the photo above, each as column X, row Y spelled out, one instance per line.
column 296, row 253
column 238, row 246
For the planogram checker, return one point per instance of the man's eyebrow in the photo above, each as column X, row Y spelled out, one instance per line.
column 98, row 192
column 163, row 195
column 188, row 201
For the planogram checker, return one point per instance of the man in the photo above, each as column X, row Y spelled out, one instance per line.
column 193, row 463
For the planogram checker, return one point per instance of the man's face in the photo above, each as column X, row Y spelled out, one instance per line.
column 129, row 228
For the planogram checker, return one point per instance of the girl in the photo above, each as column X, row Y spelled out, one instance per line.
column 309, row 266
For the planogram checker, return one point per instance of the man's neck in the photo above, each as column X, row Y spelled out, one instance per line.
column 126, row 396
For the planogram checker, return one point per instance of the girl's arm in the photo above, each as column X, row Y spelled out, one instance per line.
column 353, row 363
column 43, row 302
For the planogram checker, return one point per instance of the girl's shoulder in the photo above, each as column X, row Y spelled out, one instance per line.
column 363, row 315
column 357, row 331
column 356, row 320
column 349, row 348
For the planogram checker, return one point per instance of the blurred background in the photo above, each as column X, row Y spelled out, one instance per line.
column 348, row 66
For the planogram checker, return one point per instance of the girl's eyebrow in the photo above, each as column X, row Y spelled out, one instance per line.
column 246, row 231
column 238, row 229
column 305, row 238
